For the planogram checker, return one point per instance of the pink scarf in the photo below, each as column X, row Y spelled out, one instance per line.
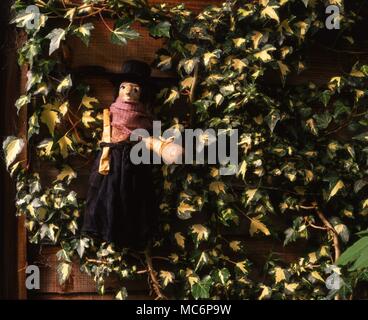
column 127, row 116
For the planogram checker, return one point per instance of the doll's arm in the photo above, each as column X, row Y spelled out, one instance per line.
column 104, row 166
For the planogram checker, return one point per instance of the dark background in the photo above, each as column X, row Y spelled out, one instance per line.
column 9, row 88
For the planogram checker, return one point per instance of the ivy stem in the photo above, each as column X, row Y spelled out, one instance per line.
column 104, row 22
column 152, row 273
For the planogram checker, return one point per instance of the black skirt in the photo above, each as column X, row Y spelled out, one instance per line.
column 121, row 207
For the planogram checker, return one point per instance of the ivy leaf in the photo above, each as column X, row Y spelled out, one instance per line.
column 63, row 270
column 264, row 53
column 165, row 63
column 305, row 3
column 82, row 244
column 50, row 117
column 250, row 195
column 200, row 231
column 161, row 29
column 338, row 186
column 70, row 14
column 12, row 147
column 223, row 275
column 167, row 277
column 272, row 118
column 64, row 144
column 84, row 32
column 87, row 118
column 343, row 231
column 180, row 239
column 33, row 126
column 323, row 120
column 256, row 37
column 122, row 294
column 47, row 145
column 65, row 84
column 256, row 225
column 66, row 172
column 284, row 69
column 238, row 42
column 87, row 102
column 280, row 275
column 266, row 293
column 174, row 95
column 187, row 82
column 242, row 266
column 201, row 289
column 290, row 288
column 235, row 245
column 123, row 33
column 21, row 101
column 56, row 35
column 217, row 187
column 184, row 210
column 270, row 12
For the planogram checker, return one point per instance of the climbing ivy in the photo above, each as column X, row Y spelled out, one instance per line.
column 302, row 174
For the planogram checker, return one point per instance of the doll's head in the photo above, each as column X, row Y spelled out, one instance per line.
column 133, row 83
column 130, row 92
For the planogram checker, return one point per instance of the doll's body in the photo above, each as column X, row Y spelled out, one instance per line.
column 121, row 206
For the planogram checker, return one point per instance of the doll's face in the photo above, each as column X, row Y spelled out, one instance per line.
column 130, row 92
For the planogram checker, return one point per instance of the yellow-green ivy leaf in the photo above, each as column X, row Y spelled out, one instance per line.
column 256, row 225
column 180, row 239
column 167, row 277
column 50, row 117
column 201, row 231
column 12, row 147
column 264, row 53
column 64, row 144
column 270, row 12
column 338, row 186
column 217, row 187
column 87, row 118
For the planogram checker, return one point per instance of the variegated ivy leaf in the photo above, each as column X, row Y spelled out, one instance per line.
column 217, row 187
column 55, row 36
column 50, row 117
column 65, row 84
column 180, row 239
column 87, row 102
column 200, row 231
column 65, row 144
column 185, row 210
column 167, row 277
column 263, row 54
column 122, row 34
column 270, row 12
column 122, row 294
column 87, row 118
column 33, row 125
column 84, row 32
column 173, row 96
column 161, row 29
column 12, row 147
column 165, row 63
column 257, row 226
column 66, row 172
column 22, row 101
column 82, row 244
column 63, row 270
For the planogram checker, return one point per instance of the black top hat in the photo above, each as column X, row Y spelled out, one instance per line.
column 134, row 71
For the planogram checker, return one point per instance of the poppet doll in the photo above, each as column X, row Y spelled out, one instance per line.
column 121, row 206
